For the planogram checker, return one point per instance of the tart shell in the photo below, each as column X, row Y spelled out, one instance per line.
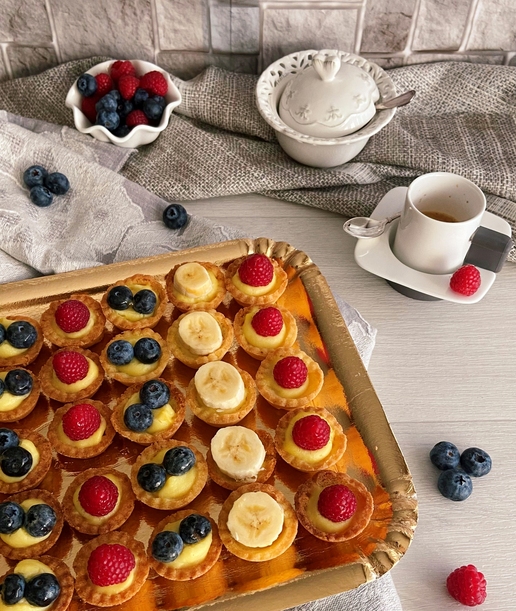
column 27, row 405
column 247, row 300
column 198, row 305
column 37, row 475
column 25, row 358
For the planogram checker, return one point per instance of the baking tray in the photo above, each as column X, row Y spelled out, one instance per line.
column 311, row 568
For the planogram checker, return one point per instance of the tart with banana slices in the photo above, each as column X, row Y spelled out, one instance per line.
column 220, row 394
column 195, row 285
column 256, row 280
column 21, row 339
column 25, row 458
column 19, row 393
column 257, row 523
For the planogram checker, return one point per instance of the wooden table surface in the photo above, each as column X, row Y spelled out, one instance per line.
column 442, row 371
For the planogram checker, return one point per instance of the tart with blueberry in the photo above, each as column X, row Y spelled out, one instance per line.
column 19, row 393
column 149, row 412
column 25, row 458
column 21, row 339
column 169, row 474
column 30, row 524
column 81, row 429
column 98, row 501
column 137, row 302
column 184, row 546
column 110, row 569
column 256, row 280
column 333, row 506
column 195, row 286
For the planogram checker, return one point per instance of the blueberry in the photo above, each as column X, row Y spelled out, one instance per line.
column 160, row 100
column 18, row 382
column 114, row 93
column 2, row 387
column 138, row 417
column 35, row 175
column 120, row 297
column 155, row 394
column 87, row 85
column 475, row 462
column 40, row 520
column 144, row 301
column 21, row 334
column 151, row 477
column 194, row 528
column 124, row 108
column 108, row 119
column 57, row 183
column 139, row 98
column 42, row 590
column 147, row 350
column 2, row 333
column 455, row 484
column 179, row 460
column 16, row 462
column 444, row 455
column 8, row 439
column 175, row 216
column 108, row 103
column 13, row 588
column 167, row 546
column 11, row 517
column 122, row 130
column 120, row 352
column 152, row 109
column 40, row 196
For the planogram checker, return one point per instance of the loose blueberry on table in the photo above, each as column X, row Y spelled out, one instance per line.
column 445, row 455
column 175, row 216
column 475, row 462
column 455, row 484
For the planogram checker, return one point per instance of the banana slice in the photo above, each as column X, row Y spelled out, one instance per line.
column 192, row 280
column 238, row 452
column 256, row 519
column 220, row 385
column 200, row 332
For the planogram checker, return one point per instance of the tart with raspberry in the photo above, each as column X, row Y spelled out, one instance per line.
column 289, row 378
column 137, row 302
column 260, row 329
column 110, row 569
column 169, row 474
column 149, row 412
column 81, row 429
column 256, row 280
column 184, row 546
column 21, row 339
column 77, row 321
column 19, row 393
column 98, row 501
column 196, row 285
column 25, row 458
column 333, row 506
column 310, row 439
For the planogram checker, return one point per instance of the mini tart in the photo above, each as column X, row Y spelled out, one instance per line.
column 22, row 357
column 138, row 282
column 243, row 319
column 301, row 460
column 35, row 550
column 264, row 474
column 246, row 299
column 307, row 496
column 78, row 449
column 84, row 338
column 258, row 554
column 121, row 513
column 69, row 393
column 94, row 595
column 187, row 304
column 152, row 499
column 182, row 352
column 38, row 471
column 150, row 371
column 166, row 570
column 270, row 390
column 25, row 407
column 176, row 402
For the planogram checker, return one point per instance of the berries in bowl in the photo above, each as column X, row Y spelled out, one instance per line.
column 127, row 102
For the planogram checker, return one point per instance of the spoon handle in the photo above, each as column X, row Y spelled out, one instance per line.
column 399, row 100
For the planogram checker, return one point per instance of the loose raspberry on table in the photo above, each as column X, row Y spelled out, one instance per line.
column 311, row 432
column 110, row 563
column 81, row 421
column 104, row 84
column 72, row 315
column 467, row 585
column 98, row 496
column 70, row 366
column 337, row 503
column 290, row 372
column 256, row 270
column 121, row 68
column 466, row 280
column 267, row 322
column 127, row 85
column 88, row 107
column 154, row 83
column 136, row 117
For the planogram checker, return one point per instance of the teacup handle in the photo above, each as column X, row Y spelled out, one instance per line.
column 326, row 66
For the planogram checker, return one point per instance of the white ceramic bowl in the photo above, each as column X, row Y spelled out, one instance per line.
column 140, row 134
column 310, row 150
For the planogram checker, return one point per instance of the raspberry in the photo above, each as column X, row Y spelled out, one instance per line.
column 72, row 315
column 81, row 421
column 290, row 372
column 136, row 117
column 337, row 503
column 110, row 563
column 127, row 85
column 104, row 84
column 121, row 68
column 88, row 107
column 267, row 322
column 98, row 496
column 70, row 366
column 256, row 270
column 467, row 585
column 466, row 280
column 154, row 83
column 311, row 432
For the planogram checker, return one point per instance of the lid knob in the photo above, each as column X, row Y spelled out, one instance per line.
column 326, row 66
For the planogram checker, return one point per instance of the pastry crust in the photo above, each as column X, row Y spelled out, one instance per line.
column 25, row 358
column 358, row 521
column 27, row 405
column 263, row 475
column 258, row 554
column 125, row 508
column 188, row 358
column 37, row 475
column 90, row 592
column 148, row 322
column 338, row 447
column 185, row 306
column 247, row 300
column 186, row 574
column 34, row 551
column 177, row 402
column 160, row 502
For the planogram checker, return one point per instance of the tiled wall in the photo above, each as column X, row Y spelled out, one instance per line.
column 184, row 36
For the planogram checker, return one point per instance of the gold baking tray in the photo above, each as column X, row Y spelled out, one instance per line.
column 311, row 568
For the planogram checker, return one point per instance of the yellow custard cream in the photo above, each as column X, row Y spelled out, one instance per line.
column 97, row 520
column 289, row 393
column 8, row 401
column 320, row 521
column 89, row 442
column 131, row 314
column 76, row 334
column 30, row 447
column 193, row 553
column 20, row 538
column 116, row 587
column 310, row 456
column 176, row 486
column 255, row 290
column 6, row 350
column 91, row 376
column 163, row 417
column 270, row 342
column 29, row 569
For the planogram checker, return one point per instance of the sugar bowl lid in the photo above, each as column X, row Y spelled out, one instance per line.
column 329, row 99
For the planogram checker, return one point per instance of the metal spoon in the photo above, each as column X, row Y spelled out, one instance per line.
column 399, row 100
column 365, row 227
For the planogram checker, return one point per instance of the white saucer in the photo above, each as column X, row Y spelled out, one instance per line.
column 375, row 256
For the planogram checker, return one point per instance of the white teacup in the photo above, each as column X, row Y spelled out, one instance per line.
column 441, row 213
